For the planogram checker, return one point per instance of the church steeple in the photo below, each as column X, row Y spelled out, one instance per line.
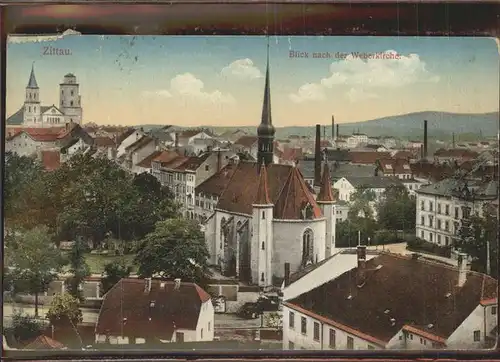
column 32, row 84
column 266, row 130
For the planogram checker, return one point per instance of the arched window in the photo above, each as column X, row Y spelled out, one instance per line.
column 263, row 246
column 307, row 246
column 262, row 277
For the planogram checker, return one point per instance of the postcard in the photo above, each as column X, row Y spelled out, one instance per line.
column 251, row 192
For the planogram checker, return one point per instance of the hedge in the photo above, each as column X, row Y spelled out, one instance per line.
column 417, row 244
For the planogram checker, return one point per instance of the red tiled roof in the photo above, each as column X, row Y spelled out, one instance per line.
column 40, row 134
column 146, row 163
column 325, row 192
column 287, row 190
column 246, row 141
column 165, row 157
column 104, row 142
column 216, row 184
column 367, row 158
column 44, row 342
column 192, row 163
column 394, row 166
column 456, row 153
column 127, row 308
column 411, row 292
column 51, row 160
column 262, row 197
column 292, row 154
column 436, row 172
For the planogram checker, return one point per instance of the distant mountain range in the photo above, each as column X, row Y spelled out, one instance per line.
column 440, row 125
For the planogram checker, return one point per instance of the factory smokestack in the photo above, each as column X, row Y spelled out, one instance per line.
column 333, row 127
column 425, row 139
column 453, row 140
column 317, row 156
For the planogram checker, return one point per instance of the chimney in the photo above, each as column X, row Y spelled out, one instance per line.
column 333, row 127
column 421, row 151
column 176, row 142
column 324, row 132
column 453, row 140
column 462, row 269
column 177, row 284
column 361, row 254
column 287, row 274
column 317, row 157
column 219, row 160
column 147, row 285
column 338, row 134
column 425, row 139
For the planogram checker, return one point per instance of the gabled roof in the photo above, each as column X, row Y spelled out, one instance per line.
column 193, row 163
column 122, row 137
column 104, row 142
column 127, row 308
column 141, row 142
column 461, row 188
column 411, row 292
column 165, row 157
column 39, row 134
column 16, row 118
column 217, row 183
column 246, row 141
column 394, row 166
column 287, row 190
column 456, row 153
column 146, row 163
column 44, row 109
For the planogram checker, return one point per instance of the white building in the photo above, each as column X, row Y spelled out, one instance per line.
column 138, row 311
column 33, row 114
column 442, row 206
column 392, row 302
column 347, row 186
column 356, row 139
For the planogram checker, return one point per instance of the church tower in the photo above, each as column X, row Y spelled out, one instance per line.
column 266, row 130
column 70, row 99
column 32, row 110
column 261, row 249
column 326, row 202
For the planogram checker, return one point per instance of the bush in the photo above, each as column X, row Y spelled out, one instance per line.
column 424, row 246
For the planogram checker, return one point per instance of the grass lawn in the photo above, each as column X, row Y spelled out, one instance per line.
column 97, row 262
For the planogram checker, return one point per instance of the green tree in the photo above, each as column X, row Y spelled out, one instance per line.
column 34, row 261
column 361, row 203
column 348, row 232
column 396, row 209
column 175, row 249
column 475, row 235
column 64, row 311
column 113, row 272
column 24, row 327
column 79, row 268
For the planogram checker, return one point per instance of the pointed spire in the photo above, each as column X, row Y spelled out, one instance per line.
column 32, row 82
column 263, row 189
column 325, row 191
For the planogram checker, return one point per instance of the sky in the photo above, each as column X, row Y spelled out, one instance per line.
column 219, row 81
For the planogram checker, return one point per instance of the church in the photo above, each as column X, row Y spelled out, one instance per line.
column 33, row 114
column 266, row 215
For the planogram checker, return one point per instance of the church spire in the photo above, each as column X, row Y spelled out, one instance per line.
column 32, row 82
column 266, row 130
column 325, row 191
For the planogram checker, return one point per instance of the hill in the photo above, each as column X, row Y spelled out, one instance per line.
column 440, row 125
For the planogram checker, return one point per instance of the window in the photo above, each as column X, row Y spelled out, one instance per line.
column 307, row 247
column 263, row 214
column 477, row 336
column 71, row 103
column 263, row 246
column 291, row 345
column 262, row 277
column 439, row 224
column 332, row 338
column 430, row 236
column 350, row 343
column 422, row 234
column 206, row 167
column 316, row 331
column 431, row 219
column 439, row 208
column 447, row 240
column 456, row 213
column 201, row 334
column 303, row 325
column 439, row 238
column 422, row 205
column 447, row 225
column 447, row 209
column 71, row 92
column 411, row 336
column 291, row 320
column 494, row 310
column 430, row 205
column 209, row 326
column 422, row 220
column 179, row 337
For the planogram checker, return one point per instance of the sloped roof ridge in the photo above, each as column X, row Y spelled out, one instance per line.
column 229, row 183
column 278, row 197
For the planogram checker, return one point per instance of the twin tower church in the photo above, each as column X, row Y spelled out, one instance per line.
column 33, row 114
column 267, row 215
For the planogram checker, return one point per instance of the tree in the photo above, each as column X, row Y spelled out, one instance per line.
column 64, row 310
column 397, row 209
column 274, row 320
column 175, row 249
column 113, row 272
column 349, row 231
column 24, row 327
column 34, row 261
column 78, row 268
column 475, row 235
column 361, row 203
